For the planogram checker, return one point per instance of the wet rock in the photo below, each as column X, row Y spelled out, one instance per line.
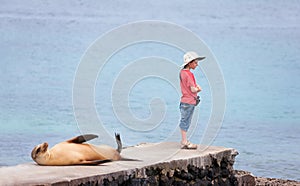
column 275, row 182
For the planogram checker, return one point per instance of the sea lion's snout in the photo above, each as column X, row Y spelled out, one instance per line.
column 39, row 149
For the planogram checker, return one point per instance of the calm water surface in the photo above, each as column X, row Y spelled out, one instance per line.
column 256, row 44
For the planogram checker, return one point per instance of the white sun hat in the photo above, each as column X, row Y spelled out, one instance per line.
column 190, row 56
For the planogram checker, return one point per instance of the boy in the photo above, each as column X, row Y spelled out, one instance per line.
column 189, row 90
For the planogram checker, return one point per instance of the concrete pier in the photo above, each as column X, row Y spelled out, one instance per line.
column 159, row 163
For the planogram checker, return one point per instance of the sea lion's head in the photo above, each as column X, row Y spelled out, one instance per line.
column 40, row 153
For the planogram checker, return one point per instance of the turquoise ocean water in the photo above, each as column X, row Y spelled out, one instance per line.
column 256, row 44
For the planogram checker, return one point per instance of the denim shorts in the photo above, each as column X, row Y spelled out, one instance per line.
column 186, row 111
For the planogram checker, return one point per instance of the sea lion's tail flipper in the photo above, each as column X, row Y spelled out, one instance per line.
column 94, row 162
column 119, row 142
column 82, row 138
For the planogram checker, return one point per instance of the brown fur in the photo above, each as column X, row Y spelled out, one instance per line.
column 75, row 152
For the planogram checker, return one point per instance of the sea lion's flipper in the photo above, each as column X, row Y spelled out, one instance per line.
column 119, row 142
column 82, row 138
column 94, row 162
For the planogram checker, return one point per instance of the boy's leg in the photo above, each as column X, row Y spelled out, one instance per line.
column 183, row 137
column 186, row 117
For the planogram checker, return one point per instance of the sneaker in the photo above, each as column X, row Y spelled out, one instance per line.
column 188, row 145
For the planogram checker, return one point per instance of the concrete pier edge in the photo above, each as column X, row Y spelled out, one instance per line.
column 160, row 163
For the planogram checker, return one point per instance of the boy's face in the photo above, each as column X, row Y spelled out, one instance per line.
column 193, row 64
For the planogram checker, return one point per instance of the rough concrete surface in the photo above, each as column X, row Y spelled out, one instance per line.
column 166, row 154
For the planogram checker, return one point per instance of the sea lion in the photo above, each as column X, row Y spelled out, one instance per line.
column 75, row 152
